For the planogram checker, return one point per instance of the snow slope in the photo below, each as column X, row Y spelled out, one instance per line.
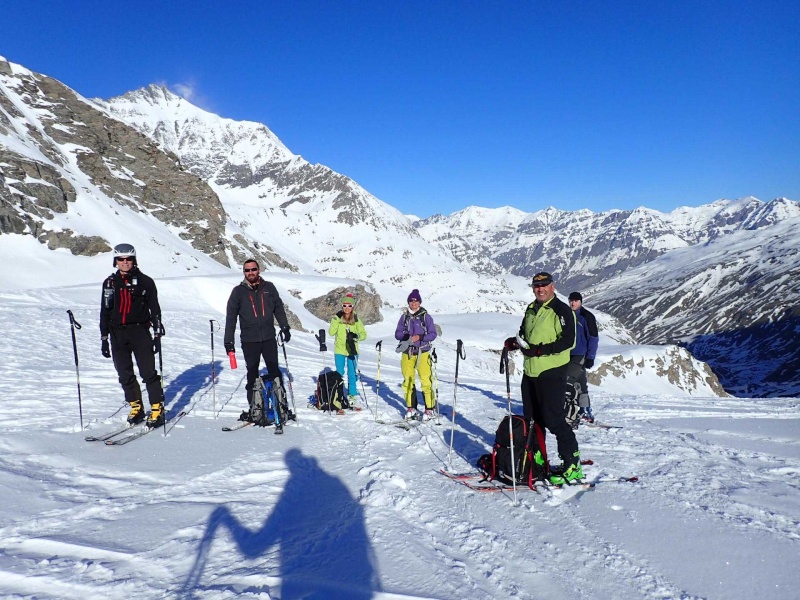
column 344, row 507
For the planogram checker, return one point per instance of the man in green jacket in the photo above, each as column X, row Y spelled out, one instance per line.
column 546, row 336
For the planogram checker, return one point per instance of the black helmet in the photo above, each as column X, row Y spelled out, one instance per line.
column 124, row 250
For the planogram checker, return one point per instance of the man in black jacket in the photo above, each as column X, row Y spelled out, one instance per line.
column 257, row 305
column 128, row 308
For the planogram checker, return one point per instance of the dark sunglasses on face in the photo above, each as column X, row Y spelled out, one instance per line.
column 347, row 306
column 251, row 270
column 124, row 259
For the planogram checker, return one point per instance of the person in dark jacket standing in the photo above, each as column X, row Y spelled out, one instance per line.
column 128, row 308
column 256, row 304
column 546, row 338
column 584, row 351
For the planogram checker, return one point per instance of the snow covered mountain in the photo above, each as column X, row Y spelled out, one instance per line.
column 72, row 178
column 83, row 175
column 684, row 276
column 583, row 248
column 733, row 301
column 319, row 219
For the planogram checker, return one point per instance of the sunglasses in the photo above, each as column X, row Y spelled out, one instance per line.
column 347, row 306
column 251, row 270
column 124, row 259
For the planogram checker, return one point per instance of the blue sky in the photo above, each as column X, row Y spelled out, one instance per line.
column 437, row 105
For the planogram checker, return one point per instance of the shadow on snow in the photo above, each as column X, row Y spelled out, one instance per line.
column 320, row 534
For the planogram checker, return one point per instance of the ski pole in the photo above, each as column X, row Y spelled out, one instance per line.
column 504, row 369
column 432, row 360
column 361, row 379
column 288, row 373
column 73, row 325
column 460, row 355
column 213, row 368
column 378, row 347
column 161, row 377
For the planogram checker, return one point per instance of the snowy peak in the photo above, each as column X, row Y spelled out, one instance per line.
column 315, row 218
column 74, row 179
column 208, row 145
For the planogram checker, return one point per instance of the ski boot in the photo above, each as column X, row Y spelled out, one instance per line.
column 355, row 402
column 428, row 415
column 571, row 475
column 411, row 414
column 156, row 416
column 539, row 472
column 136, row 415
column 587, row 414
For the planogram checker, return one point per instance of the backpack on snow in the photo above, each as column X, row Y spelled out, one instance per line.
column 330, row 392
column 497, row 465
column 269, row 395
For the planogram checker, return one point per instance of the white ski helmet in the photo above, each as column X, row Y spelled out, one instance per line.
column 124, row 250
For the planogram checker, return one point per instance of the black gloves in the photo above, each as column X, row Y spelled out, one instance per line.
column 588, row 363
column 158, row 330
column 104, row 349
column 532, row 351
column 287, row 335
column 321, row 339
column 229, row 347
column 352, row 335
column 404, row 338
column 511, row 344
column 340, row 314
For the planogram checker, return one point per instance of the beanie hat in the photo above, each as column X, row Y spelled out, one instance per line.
column 575, row 296
column 348, row 299
column 414, row 295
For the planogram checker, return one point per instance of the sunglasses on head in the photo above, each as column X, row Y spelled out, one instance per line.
column 251, row 270
column 124, row 259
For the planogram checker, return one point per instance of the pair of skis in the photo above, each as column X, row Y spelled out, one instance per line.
column 113, row 438
column 479, row 483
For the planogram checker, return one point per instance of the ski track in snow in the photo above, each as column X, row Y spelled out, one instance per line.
column 354, row 509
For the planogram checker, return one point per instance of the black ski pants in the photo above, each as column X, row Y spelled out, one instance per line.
column 134, row 341
column 253, row 351
column 543, row 405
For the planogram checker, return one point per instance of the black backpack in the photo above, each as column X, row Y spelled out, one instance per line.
column 497, row 465
column 330, row 392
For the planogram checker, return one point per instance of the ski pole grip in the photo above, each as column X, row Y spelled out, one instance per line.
column 232, row 357
column 379, row 345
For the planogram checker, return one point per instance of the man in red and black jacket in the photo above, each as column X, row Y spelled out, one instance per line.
column 128, row 308
column 256, row 304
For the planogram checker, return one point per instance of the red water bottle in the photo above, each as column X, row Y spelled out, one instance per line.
column 232, row 357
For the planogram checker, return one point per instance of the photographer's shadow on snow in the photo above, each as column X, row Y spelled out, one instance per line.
column 319, row 531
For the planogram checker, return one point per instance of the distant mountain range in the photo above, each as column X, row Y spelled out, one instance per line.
column 718, row 279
